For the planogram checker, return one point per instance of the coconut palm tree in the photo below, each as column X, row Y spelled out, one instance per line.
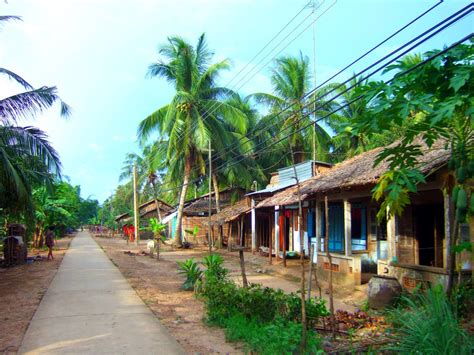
column 291, row 79
column 196, row 112
column 346, row 142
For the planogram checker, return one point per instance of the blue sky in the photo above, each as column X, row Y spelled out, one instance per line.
column 97, row 53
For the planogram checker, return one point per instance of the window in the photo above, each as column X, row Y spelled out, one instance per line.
column 336, row 227
column 358, row 227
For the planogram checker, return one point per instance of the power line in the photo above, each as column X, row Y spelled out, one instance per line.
column 213, row 108
column 387, row 82
column 255, row 133
column 424, row 33
column 339, row 86
column 362, row 96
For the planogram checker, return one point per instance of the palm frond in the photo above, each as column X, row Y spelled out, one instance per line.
column 151, row 124
column 28, row 104
column 12, row 76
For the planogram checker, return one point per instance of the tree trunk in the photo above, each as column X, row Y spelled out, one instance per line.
column 182, row 199
column 155, row 197
column 451, row 256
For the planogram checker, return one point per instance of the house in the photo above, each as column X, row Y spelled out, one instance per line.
column 235, row 222
column 196, row 213
column 411, row 247
column 147, row 210
column 275, row 228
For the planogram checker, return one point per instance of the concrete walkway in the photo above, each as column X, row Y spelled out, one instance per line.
column 90, row 308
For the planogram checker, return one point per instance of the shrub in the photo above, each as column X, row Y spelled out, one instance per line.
column 214, row 267
column 190, row 269
column 278, row 337
column 428, row 325
column 463, row 299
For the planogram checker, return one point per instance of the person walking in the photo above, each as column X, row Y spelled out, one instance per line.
column 50, row 243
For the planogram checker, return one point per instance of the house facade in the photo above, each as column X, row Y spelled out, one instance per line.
column 196, row 214
column 412, row 247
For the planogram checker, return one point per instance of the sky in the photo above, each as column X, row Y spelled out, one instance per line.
column 97, row 53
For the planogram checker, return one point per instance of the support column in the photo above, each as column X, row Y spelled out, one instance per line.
column 347, row 228
column 254, row 232
column 277, row 232
column 448, row 213
column 392, row 238
column 317, row 226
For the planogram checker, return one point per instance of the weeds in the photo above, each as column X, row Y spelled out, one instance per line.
column 428, row 324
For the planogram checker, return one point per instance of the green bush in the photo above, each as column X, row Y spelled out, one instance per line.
column 278, row 337
column 256, row 314
column 214, row 267
column 463, row 299
column 190, row 269
column 428, row 324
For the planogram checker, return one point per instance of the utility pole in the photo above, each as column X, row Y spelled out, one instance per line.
column 313, row 6
column 210, row 197
column 135, row 205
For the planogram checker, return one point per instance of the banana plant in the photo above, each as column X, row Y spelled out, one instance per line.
column 157, row 228
column 193, row 233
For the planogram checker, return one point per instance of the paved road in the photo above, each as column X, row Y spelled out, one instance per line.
column 90, row 308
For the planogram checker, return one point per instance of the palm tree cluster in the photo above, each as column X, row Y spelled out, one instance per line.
column 246, row 144
column 31, row 190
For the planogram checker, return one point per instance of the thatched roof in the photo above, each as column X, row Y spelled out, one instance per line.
column 231, row 212
column 147, row 210
column 124, row 217
column 356, row 172
column 200, row 205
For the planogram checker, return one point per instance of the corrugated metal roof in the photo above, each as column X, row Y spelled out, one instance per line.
column 286, row 177
column 304, row 171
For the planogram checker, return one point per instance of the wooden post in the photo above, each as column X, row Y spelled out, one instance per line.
column 229, row 236
column 210, row 198
column 241, row 253
column 135, row 205
column 311, row 252
column 304, row 322
column 283, row 233
column 328, row 254
column 270, row 246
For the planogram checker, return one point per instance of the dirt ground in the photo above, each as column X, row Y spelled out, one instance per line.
column 158, row 284
column 21, row 290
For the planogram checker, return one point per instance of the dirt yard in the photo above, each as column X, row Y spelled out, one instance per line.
column 158, row 284
column 21, row 290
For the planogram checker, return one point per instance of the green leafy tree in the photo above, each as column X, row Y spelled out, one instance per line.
column 430, row 101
